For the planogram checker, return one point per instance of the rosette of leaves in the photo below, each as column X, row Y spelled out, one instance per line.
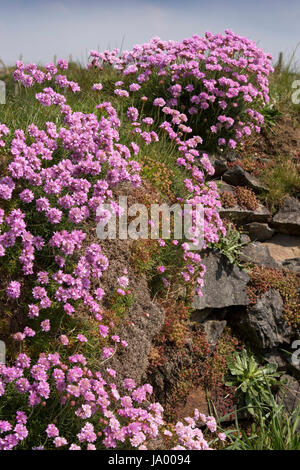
column 231, row 245
column 253, row 381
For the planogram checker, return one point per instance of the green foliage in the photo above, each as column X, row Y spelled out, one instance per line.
column 120, row 304
column 274, row 429
column 252, row 380
column 281, row 88
column 59, row 410
column 271, row 114
column 283, row 179
column 230, row 245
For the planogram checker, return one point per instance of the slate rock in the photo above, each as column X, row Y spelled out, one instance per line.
column 284, row 247
column 287, row 220
column 237, row 176
column 241, row 216
column 224, row 285
column 224, row 187
column 259, row 231
column 263, row 324
column 289, row 394
column 232, row 156
column 214, row 330
column 258, row 253
column 195, row 399
column 274, row 357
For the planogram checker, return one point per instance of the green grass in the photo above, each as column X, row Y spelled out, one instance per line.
column 272, row 426
column 281, row 89
column 274, row 429
column 283, row 179
column 22, row 109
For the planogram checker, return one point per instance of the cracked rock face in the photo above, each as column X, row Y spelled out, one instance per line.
column 263, row 323
column 224, row 284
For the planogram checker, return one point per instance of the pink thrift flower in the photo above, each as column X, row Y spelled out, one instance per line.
column 82, row 338
column 52, row 431
column 13, row 290
column 97, row 86
column 123, row 281
column 107, row 352
column 103, row 330
column 64, row 340
column 60, row 441
column 45, row 325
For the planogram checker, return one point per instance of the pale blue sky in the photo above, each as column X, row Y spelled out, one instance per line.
column 40, row 29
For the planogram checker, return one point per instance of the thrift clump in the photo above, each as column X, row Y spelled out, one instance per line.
column 207, row 94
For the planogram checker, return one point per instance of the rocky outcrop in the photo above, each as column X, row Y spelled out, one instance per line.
column 285, row 360
column 263, row 324
column 242, row 216
column 224, row 285
column 214, row 330
column 2, row 352
column 280, row 252
column 259, row 232
column 232, row 156
column 259, row 254
column 287, row 220
column 284, row 247
column 237, row 176
column 224, row 187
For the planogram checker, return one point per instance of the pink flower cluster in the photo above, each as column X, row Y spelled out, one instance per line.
column 30, row 74
column 13, row 434
column 3, row 131
column 216, row 75
column 208, row 80
column 121, row 417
